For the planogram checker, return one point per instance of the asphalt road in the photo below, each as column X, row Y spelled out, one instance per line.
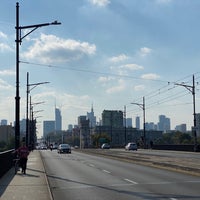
column 80, row 176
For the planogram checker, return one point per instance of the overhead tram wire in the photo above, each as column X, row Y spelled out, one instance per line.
column 90, row 71
column 150, row 95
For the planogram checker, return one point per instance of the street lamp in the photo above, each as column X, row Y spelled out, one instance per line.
column 27, row 97
column 32, row 128
column 18, row 41
column 191, row 88
column 143, row 108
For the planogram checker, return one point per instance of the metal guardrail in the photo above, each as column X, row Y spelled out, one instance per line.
column 6, row 160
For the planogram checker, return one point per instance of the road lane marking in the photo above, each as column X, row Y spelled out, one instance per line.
column 130, row 181
column 173, row 199
column 106, row 171
column 91, row 165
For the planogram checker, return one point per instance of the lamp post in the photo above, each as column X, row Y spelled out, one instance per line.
column 27, row 97
column 18, row 41
column 191, row 88
column 32, row 126
column 144, row 128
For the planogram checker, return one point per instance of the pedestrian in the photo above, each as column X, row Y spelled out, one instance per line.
column 23, row 153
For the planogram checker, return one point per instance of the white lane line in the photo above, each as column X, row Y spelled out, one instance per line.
column 172, row 199
column 130, row 181
column 106, row 171
column 91, row 165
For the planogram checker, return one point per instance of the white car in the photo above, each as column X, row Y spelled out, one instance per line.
column 131, row 146
column 105, row 146
column 64, row 148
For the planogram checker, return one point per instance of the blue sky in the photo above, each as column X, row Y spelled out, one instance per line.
column 109, row 53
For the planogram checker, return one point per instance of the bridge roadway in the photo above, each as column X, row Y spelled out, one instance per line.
column 187, row 162
column 34, row 184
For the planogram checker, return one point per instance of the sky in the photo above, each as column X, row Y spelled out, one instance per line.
column 106, row 53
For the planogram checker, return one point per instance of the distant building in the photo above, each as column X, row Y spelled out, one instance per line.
column 84, row 127
column 129, row 122
column 4, row 122
column 198, row 124
column 150, row 126
column 6, row 132
column 58, row 120
column 164, row 123
column 48, row 127
column 23, row 127
column 182, row 128
column 91, row 118
column 137, row 122
column 112, row 118
column 70, row 127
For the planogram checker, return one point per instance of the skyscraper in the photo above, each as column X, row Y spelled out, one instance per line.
column 58, row 120
column 137, row 122
column 48, row 127
column 91, row 117
column 164, row 123
column 113, row 118
column 128, row 122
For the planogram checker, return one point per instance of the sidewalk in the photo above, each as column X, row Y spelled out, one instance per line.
column 31, row 186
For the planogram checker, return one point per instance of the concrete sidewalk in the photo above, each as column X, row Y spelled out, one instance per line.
column 31, row 186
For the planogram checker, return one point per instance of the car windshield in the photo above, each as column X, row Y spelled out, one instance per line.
column 64, row 145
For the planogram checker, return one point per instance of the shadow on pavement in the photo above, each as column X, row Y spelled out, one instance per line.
column 5, row 180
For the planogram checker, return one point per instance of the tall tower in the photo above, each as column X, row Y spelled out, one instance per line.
column 58, row 120
column 137, row 122
column 91, row 117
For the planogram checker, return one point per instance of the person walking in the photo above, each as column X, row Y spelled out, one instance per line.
column 23, row 153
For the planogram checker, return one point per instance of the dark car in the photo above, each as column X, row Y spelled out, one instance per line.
column 131, row 146
column 64, row 148
column 105, row 146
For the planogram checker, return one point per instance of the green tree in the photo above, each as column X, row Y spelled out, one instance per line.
column 97, row 138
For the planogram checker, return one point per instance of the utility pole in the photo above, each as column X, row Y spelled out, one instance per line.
column 18, row 41
column 144, row 128
column 33, row 85
column 125, row 124
column 191, row 88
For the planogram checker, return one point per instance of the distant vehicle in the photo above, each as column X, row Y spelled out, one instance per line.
column 131, row 146
column 105, row 146
column 55, row 146
column 43, row 147
column 64, row 148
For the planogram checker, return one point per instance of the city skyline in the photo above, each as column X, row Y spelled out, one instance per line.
column 109, row 53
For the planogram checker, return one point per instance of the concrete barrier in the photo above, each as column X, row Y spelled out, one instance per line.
column 6, row 160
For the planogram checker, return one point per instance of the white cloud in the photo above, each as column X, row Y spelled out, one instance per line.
column 100, row 3
column 5, row 47
column 132, row 66
column 7, row 72
column 49, row 48
column 118, row 88
column 150, row 76
column 3, row 35
column 4, row 85
column 139, row 87
column 144, row 51
column 104, row 79
column 118, row 58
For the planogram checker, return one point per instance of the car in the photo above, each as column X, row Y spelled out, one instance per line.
column 131, row 146
column 105, row 146
column 64, row 148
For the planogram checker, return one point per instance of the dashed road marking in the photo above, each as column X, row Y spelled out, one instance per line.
column 106, row 171
column 130, row 181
